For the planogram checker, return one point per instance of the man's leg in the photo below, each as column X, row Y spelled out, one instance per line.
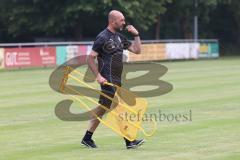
column 93, row 123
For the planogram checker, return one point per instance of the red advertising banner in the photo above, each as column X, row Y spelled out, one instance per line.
column 1, row 58
column 29, row 57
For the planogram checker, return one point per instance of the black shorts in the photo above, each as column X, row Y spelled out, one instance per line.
column 109, row 91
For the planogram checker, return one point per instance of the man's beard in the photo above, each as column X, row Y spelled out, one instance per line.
column 118, row 29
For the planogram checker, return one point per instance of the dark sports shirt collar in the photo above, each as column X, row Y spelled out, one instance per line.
column 114, row 33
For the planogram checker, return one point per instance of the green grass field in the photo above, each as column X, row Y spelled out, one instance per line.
column 30, row 130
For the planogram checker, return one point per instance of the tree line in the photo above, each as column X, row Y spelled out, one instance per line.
column 32, row 20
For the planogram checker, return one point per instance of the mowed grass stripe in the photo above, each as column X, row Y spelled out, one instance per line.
column 30, row 130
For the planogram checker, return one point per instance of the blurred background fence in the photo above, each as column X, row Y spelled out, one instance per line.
column 49, row 54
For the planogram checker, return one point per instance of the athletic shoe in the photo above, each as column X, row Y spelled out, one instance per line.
column 134, row 144
column 89, row 143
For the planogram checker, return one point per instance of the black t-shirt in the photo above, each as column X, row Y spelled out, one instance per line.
column 109, row 47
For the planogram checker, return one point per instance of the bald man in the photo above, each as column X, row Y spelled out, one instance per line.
column 108, row 49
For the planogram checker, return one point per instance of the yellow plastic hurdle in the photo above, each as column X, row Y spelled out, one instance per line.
column 126, row 127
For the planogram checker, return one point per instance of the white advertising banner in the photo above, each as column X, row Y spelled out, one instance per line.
column 182, row 50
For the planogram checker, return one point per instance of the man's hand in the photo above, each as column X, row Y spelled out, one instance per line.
column 101, row 79
column 135, row 47
column 132, row 30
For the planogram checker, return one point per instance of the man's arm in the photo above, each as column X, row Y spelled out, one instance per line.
column 135, row 47
column 91, row 63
